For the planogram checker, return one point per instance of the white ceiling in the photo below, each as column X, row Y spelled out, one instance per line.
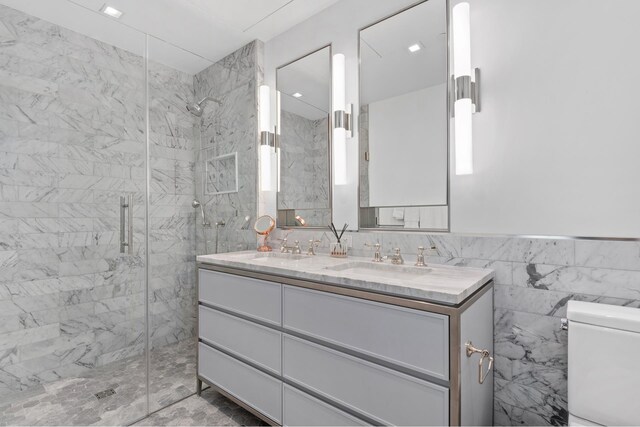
column 207, row 29
column 388, row 68
column 311, row 77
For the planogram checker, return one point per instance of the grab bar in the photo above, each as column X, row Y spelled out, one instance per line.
column 126, row 204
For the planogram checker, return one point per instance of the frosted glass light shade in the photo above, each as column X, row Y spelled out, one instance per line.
column 461, row 40
column 463, row 110
column 339, row 156
column 266, row 173
column 278, row 170
column 264, row 105
column 338, row 83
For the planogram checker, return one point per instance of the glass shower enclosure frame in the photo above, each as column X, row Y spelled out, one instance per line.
column 97, row 231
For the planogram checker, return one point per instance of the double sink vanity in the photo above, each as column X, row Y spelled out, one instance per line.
column 315, row 340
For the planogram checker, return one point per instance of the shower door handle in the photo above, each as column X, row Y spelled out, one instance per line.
column 126, row 204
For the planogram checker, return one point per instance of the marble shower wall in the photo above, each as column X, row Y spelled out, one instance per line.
column 72, row 141
column 305, row 168
column 535, row 278
column 231, row 127
column 172, row 239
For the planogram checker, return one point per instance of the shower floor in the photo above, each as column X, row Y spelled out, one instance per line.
column 72, row 401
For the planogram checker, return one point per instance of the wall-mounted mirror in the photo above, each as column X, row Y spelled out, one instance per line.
column 304, row 93
column 403, row 120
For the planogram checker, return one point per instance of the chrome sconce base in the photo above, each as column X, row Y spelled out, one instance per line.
column 267, row 138
column 466, row 87
column 343, row 119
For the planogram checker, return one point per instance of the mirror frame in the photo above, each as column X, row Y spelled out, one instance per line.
column 448, row 112
column 329, row 140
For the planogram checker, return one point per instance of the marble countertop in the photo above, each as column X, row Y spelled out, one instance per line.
column 435, row 283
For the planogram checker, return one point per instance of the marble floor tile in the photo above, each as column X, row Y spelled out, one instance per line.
column 72, row 400
column 210, row 409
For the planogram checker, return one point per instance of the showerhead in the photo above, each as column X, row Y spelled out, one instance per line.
column 195, row 204
column 198, row 108
column 195, row 109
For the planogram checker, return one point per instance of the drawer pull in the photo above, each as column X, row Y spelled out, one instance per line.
column 484, row 355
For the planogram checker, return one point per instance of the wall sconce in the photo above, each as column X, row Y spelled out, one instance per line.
column 465, row 85
column 277, row 142
column 342, row 120
column 267, row 139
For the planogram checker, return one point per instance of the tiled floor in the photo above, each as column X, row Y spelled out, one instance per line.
column 72, row 401
column 211, row 409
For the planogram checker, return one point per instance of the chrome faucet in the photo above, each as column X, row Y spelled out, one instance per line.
column 295, row 249
column 377, row 257
column 397, row 257
column 420, row 260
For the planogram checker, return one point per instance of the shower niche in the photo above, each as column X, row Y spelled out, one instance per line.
column 221, row 174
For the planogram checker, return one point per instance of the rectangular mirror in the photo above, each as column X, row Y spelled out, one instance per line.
column 303, row 140
column 403, row 122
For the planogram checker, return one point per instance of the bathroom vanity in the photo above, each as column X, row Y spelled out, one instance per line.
column 315, row 340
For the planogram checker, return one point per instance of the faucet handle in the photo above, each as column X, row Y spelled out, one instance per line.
column 377, row 257
column 420, row 260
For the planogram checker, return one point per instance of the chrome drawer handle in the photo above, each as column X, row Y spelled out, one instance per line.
column 484, row 355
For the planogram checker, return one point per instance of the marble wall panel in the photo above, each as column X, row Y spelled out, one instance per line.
column 230, row 127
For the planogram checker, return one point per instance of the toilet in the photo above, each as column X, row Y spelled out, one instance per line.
column 604, row 364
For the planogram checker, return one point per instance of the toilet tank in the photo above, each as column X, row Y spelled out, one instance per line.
column 604, row 363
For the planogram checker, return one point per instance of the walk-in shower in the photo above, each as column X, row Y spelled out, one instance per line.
column 198, row 108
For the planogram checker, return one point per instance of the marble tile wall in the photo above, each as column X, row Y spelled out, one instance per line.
column 231, row 127
column 72, row 141
column 172, row 220
column 535, row 278
column 305, row 168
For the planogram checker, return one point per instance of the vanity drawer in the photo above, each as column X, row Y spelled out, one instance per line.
column 256, row 343
column 256, row 388
column 390, row 397
column 301, row 409
column 410, row 338
column 253, row 298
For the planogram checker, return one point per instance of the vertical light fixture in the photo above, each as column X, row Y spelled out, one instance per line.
column 277, row 141
column 342, row 120
column 465, row 86
column 267, row 138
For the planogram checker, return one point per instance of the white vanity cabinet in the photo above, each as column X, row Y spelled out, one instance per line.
column 306, row 353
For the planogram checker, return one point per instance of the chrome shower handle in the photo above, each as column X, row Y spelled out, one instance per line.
column 126, row 204
column 130, row 237
column 483, row 355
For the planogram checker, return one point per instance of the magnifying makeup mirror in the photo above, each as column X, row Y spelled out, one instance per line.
column 263, row 226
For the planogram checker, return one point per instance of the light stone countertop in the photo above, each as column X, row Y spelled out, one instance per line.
column 435, row 283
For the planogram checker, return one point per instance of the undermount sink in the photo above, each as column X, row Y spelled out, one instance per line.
column 380, row 270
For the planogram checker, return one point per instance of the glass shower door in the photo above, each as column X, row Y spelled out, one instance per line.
column 72, row 223
column 173, row 131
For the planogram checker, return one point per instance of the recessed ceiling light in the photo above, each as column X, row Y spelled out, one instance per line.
column 111, row 11
column 414, row 48
column 297, row 95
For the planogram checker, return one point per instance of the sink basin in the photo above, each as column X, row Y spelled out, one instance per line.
column 378, row 270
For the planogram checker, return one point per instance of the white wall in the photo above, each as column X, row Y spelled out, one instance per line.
column 408, row 149
column 557, row 144
column 338, row 25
